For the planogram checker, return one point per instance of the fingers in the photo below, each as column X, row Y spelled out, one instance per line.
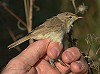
column 44, row 67
column 54, row 50
column 79, row 67
column 70, row 55
column 26, row 59
column 63, row 69
column 33, row 53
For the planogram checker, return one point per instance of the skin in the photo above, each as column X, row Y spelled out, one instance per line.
column 34, row 60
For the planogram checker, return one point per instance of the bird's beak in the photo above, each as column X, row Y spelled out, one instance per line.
column 80, row 17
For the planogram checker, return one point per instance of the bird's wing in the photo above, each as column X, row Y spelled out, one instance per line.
column 51, row 25
column 39, row 32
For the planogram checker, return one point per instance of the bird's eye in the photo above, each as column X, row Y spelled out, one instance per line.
column 70, row 17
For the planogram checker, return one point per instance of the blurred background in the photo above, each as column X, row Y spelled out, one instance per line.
column 86, row 30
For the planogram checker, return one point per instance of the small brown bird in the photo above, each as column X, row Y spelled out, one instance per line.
column 54, row 29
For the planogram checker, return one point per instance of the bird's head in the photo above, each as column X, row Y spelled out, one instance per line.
column 68, row 18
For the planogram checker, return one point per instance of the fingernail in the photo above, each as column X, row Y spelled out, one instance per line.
column 79, row 64
column 54, row 51
column 69, row 57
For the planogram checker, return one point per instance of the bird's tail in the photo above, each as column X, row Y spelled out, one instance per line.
column 19, row 42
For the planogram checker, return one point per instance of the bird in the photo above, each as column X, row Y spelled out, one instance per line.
column 53, row 29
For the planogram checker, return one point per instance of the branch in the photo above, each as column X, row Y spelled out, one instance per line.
column 26, row 5
column 30, row 16
column 30, row 19
column 13, row 14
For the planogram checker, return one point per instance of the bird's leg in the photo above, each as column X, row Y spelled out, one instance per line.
column 58, row 59
column 52, row 62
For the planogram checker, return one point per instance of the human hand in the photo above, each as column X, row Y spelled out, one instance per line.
column 34, row 60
